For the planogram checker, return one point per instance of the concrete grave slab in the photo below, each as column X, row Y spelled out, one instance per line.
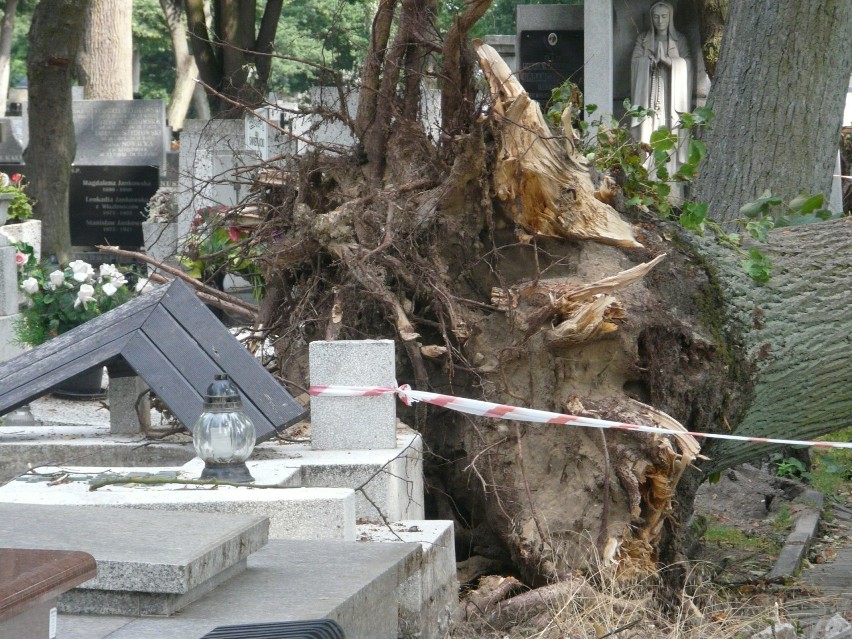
column 147, row 563
column 293, row 513
column 351, row 583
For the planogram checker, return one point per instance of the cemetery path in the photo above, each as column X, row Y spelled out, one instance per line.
column 829, row 578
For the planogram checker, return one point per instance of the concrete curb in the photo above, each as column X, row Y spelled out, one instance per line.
column 799, row 539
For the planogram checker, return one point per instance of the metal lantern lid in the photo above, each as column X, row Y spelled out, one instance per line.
column 222, row 395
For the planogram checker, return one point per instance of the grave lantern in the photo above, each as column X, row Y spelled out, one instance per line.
column 224, row 435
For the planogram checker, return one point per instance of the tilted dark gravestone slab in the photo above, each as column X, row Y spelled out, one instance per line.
column 173, row 342
column 107, row 204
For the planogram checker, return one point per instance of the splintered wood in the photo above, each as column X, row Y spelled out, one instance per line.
column 575, row 314
column 539, row 178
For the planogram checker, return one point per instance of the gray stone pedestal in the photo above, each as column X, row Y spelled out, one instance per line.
column 351, row 423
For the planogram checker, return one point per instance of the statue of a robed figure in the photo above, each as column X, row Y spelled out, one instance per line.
column 661, row 79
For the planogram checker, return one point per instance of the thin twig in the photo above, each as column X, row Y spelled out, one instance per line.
column 166, row 480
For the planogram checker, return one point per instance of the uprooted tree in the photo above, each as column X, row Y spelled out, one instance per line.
column 500, row 267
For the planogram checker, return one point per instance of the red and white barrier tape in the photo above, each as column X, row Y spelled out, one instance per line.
column 505, row 411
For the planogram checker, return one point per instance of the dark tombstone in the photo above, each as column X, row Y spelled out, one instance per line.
column 107, row 203
column 550, row 48
column 11, row 152
column 120, row 153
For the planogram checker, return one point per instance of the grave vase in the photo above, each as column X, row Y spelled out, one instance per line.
column 5, row 201
column 87, row 384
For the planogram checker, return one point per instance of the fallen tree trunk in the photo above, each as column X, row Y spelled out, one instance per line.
column 504, row 278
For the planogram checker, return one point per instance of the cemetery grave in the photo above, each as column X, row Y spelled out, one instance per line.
column 321, row 493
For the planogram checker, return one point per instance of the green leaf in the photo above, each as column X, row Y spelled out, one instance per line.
column 759, row 230
column 696, row 152
column 757, row 266
column 805, row 203
column 663, row 140
column 591, row 108
column 760, row 205
column 753, row 209
column 633, row 201
column 694, row 217
column 703, row 115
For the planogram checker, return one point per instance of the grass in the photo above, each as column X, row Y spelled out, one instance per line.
column 734, row 538
column 831, row 472
column 605, row 601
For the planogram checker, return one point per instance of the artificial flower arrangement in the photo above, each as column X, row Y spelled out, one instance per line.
column 20, row 208
column 59, row 299
column 218, row 245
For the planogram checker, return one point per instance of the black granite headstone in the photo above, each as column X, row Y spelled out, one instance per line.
column 548, row 58
column 107, row 204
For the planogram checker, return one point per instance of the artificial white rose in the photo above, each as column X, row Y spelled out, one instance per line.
column 83, row 271
column 30, row 285
column 144, row 285
column 85, row 294
column 57, row 277
column 109, row 289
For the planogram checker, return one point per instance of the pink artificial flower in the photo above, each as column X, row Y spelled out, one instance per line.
column 21, row 258
column 234, row 233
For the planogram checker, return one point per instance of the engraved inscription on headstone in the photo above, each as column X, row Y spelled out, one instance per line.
column 548, row 58
column 120, row 132
column 11, row 151
column 107, row 204
column 257, row 133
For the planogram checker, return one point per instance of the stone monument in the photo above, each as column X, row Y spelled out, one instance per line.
column 661, row 79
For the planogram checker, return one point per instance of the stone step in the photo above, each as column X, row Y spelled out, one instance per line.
column 148, row 564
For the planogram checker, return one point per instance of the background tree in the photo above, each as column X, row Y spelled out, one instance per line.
column 55, row 35
column 105, row 59
column 186, row 69
column 7, row 33
column 778, row 101
column 234, row 60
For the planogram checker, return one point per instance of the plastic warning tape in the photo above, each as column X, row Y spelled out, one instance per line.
column 517, row 413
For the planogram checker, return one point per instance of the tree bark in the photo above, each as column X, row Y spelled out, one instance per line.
column 54, row 39
column 373, row 61
column 795, row 333
column 105, row 60
column 224, row 63
column 7, row 29
column 457, row 94
column 778, row 96
column 186, row 70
